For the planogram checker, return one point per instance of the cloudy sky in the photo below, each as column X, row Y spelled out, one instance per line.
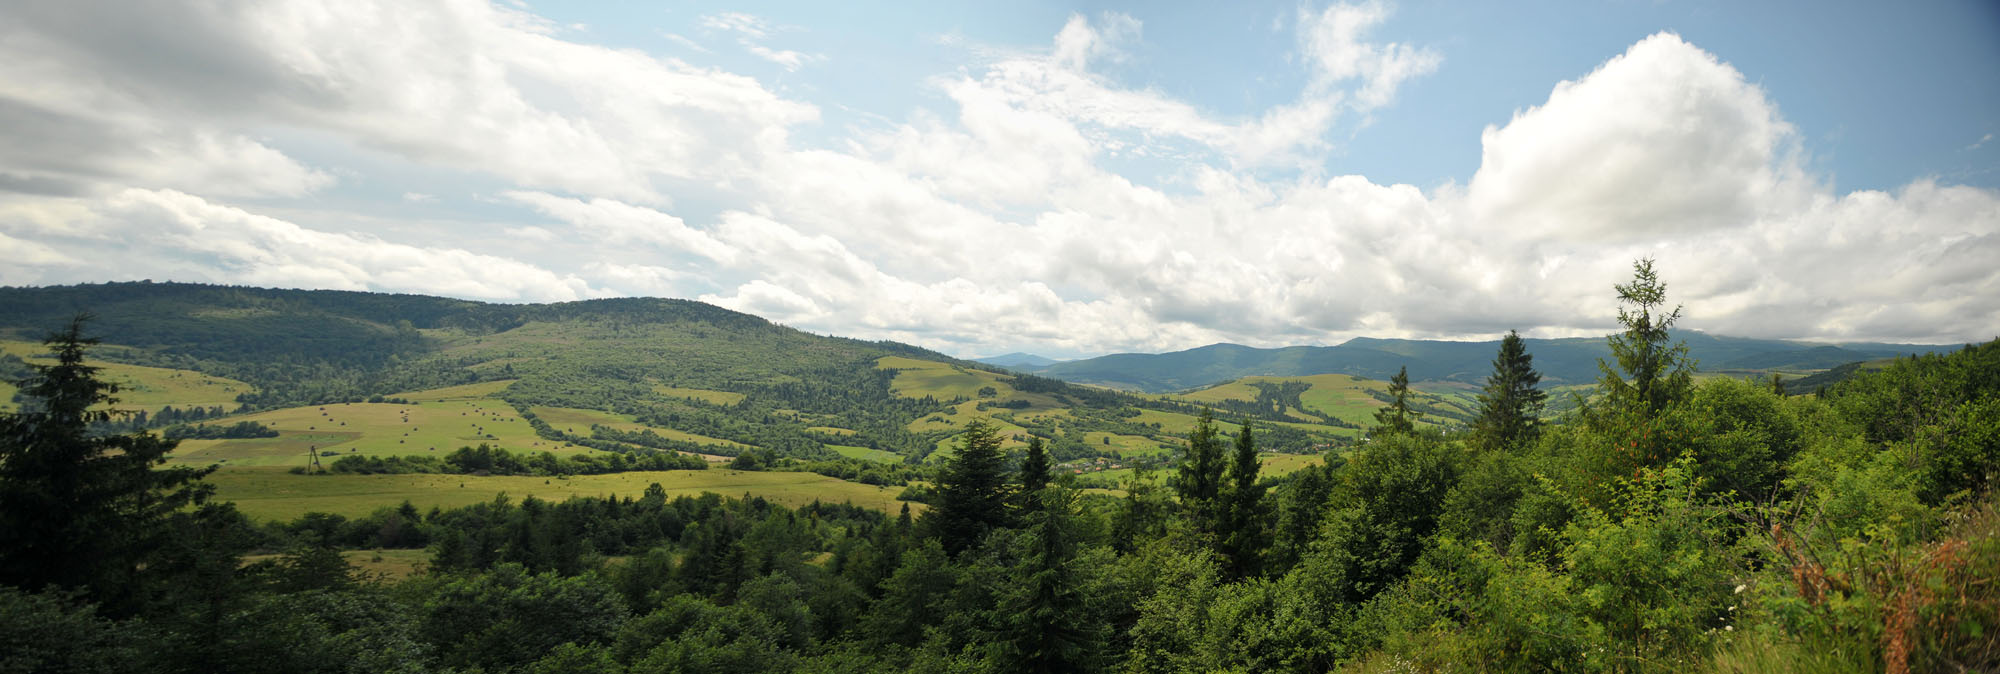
column 1063, row 178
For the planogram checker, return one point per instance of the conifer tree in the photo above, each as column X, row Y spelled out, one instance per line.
column 972, row 492
column 1510, row 407
column 1199, row 478
column 1659, row 374
column 80, row 511
column 1243, row 535
column 1034, row 475
column 1045, row 622
column 1397, row 417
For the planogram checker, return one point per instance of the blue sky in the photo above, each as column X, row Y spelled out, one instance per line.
column 1063, row 178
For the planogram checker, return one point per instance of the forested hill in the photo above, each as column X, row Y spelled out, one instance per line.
column 1561, row 361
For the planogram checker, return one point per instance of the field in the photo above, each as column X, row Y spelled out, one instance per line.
column 139, row 387
column 387, row 564
column 374, row 429
column 270, row 493
column 1273, row 465
column 704, row 395
column 571, row 420
column 1340, row 396
column 867, row 454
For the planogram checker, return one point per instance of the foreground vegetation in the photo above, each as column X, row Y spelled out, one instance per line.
column 1667, row 524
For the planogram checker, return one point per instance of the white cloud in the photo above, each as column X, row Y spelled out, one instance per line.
column 168, row 231
column 994, row 224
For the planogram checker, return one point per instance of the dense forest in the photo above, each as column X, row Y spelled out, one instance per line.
column 1662, row 524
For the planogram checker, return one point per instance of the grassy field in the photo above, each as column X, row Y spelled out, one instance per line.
column 578, row 421
column 374, row 429
column 1273, row 465
column 867, row 454
column 139, row 387
column 273, row 493
column 386, row 564
column 704, row 395
column 1124, row 444
column 484, row 389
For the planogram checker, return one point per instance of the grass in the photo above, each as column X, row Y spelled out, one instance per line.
column 484, row 389
column 1273, row 465
column 1124, row 444
column 704, row 395
column 579, row 421
column 867, row 454
column 385, row 564
column 831, row 430
column 919, row 378
column 140, row 387
column 374, row 429
column 269, row 493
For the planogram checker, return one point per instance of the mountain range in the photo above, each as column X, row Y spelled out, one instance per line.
column 1560, row 361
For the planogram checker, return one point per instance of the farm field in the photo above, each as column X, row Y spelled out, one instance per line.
column 373, row 429
column 270, row 493
column 867, row 454
column 579, row 421
column 1272, row 465
column 140, row 387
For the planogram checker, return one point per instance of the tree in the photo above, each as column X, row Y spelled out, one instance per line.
column 81, row 511
column 1034, row 475
column 1659, row 375
column 1199, row 478
column 1397, row 417
column 1045, row 621
column 1243, row 538
column 972, row 492
column 1510, row 407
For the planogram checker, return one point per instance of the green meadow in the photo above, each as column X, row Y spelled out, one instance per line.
column 272, row 493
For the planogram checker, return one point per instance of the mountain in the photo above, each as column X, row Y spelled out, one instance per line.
column 1561, row 361
column 617, row 373
column 1026, row 362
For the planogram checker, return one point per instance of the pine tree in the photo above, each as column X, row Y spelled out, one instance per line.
column 1660, row 375
column 1243, row 536
column 1199, row 479
column 80, row 511
column 1044, row 616
column 1511, row 405
column 1034, row 475
column 1397, row 417
column 972, row 492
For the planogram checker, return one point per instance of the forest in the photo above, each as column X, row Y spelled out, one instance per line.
column 1658, row 523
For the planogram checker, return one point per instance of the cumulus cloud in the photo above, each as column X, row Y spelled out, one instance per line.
column 992, row 224
column 174, row 234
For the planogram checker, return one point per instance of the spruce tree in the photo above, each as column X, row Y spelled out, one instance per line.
column 1034, row 475
column 1510, row 407
column 1243, row 536
column 1199, row 478
column 1397, row 417
column 82, row 511
column 1659, row 374
column 1046, row 624
column 972, row 491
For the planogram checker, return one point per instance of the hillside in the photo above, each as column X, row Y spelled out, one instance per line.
column 1561, row 361
column 375, row 375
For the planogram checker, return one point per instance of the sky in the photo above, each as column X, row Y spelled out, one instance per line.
column 1067, row 179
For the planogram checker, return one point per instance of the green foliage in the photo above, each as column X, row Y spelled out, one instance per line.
column 1398, row 417
column 1656, row 375
column 1510, row 406
column 77, row 510
column 972, row 492
column 1198, row 479
column 1387, row 502
column 509, row 617
column 1045, row 623
column 1243, row 537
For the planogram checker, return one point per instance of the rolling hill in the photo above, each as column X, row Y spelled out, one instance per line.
column 1561, row 361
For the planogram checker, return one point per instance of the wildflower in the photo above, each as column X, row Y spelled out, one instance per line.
column 1739, row 589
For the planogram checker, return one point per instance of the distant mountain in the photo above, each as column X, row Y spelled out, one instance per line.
column 1561, row 361
column 1019, row 361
